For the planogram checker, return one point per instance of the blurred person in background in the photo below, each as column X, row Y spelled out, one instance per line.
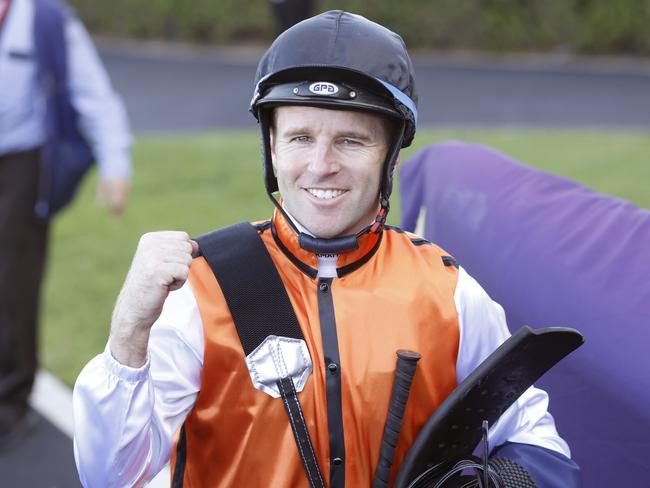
column 290, row 12
column 54, row 96
column 180, row 376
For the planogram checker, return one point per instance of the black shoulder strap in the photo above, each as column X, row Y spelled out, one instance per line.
column 253, row 289
column 260, row 307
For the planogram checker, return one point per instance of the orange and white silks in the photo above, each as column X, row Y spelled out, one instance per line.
column 400, row 296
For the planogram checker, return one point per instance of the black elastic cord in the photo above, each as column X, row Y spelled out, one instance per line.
column 300, row 432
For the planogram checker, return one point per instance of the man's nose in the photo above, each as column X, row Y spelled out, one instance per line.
column 323, row 159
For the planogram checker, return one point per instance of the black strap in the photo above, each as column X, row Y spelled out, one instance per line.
column 260, row 307
column 300, row 432
column 181, row 460
column 404, row 373
column 256, row 297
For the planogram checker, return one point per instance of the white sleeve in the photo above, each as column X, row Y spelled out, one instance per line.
column 125, row 418
column 102, row 117
column 482, row 329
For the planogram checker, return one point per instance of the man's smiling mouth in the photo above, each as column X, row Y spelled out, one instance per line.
column 325, row 194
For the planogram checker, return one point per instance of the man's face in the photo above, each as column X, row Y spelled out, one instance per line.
column 328, row 165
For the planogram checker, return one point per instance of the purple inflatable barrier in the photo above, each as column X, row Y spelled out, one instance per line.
column 554, row 253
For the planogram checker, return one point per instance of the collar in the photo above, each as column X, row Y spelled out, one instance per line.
column 307, row 261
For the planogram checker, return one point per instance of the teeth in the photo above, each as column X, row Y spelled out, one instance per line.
column 325, row 194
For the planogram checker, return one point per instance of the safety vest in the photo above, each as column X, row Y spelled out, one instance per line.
column 394, row 292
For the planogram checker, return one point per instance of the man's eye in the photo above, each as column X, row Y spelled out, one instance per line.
column 351, row 142
column 301, row 139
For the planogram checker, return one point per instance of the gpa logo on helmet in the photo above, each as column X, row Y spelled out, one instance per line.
column 323, row 88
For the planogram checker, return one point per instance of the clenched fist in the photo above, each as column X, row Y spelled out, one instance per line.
column 161, row 264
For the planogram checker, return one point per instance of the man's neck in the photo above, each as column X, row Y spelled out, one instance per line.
column 326, row 263
column 299, row 226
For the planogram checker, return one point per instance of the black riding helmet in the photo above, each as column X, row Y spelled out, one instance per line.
column 338, row 60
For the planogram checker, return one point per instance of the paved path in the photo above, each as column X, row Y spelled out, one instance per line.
column 44, row 459
column 167, row 88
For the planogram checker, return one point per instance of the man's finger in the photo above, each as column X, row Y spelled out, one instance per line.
column 195, row 248
column 178, row 258
column 177, row 273
column 114, row 193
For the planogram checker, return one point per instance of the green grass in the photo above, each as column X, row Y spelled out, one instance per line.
column 201, row 182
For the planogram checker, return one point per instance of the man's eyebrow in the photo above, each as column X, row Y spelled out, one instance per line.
column 296, row 131
column 351, row 134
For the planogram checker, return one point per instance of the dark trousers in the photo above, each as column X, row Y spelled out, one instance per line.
column 22, row 255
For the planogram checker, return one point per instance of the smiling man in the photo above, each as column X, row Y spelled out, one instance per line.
column 328, row 166
column 263, row 354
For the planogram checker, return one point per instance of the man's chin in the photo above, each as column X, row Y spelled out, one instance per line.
column 329, row 234
column 325, row 231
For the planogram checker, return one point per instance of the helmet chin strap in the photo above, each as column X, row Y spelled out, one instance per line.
column 335, row 245
column 380, row 220
column 320, row 245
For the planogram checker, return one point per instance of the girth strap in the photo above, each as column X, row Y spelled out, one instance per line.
column 260, row 307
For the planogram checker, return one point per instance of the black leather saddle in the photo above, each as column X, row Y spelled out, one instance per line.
column 453, row 432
